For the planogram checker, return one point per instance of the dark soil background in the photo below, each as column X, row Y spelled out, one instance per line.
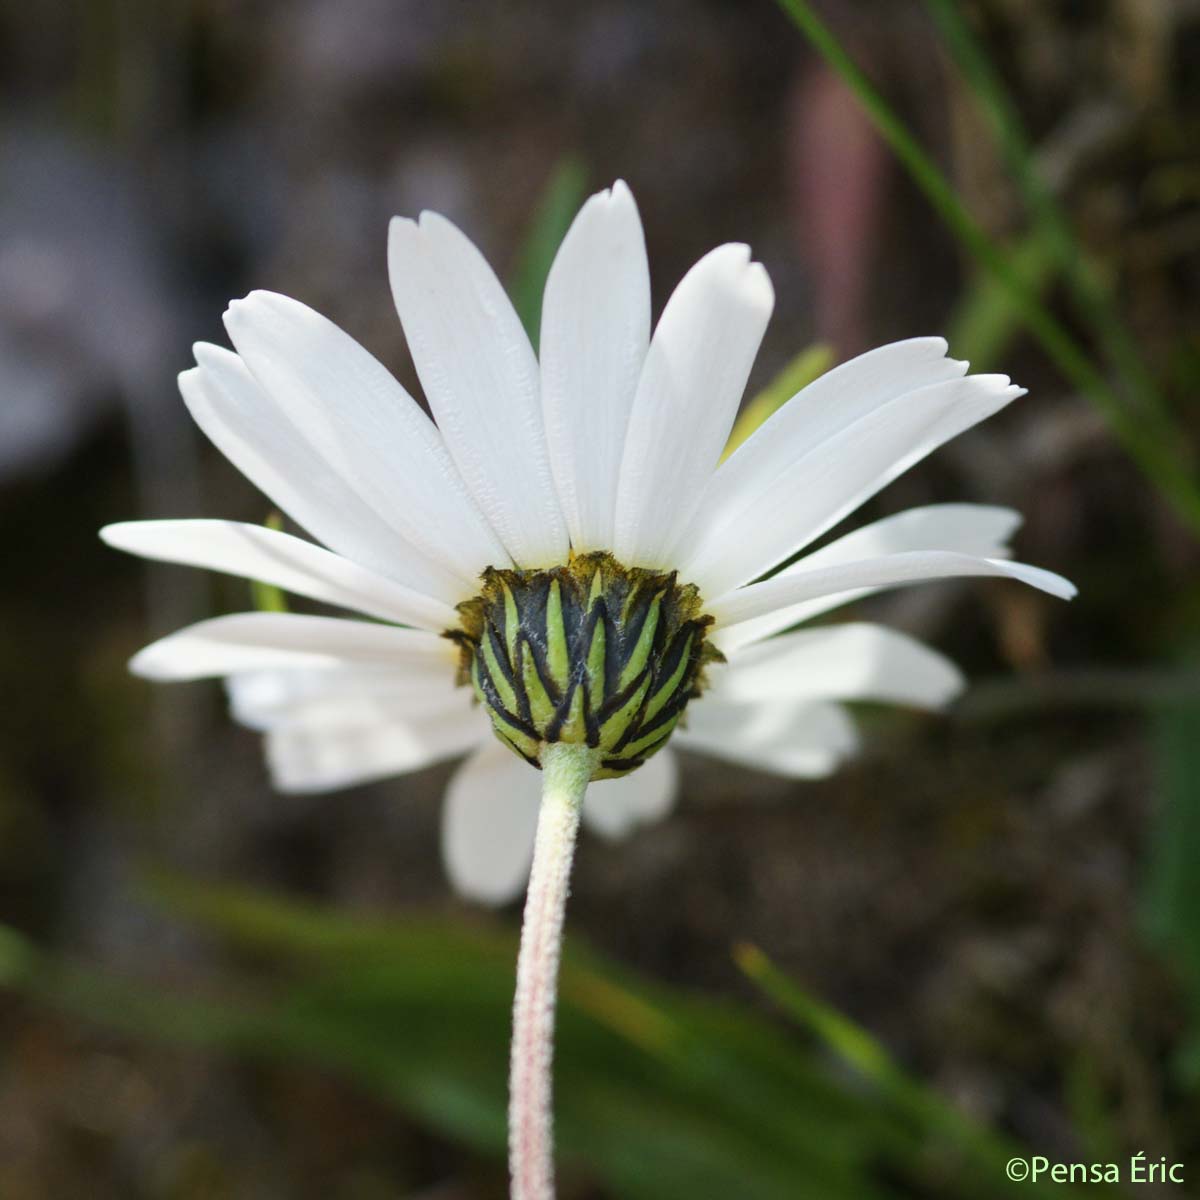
column 971, row 890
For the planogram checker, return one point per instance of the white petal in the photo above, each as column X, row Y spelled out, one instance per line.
column 692, row 382
column 366, row 426
column 980, row 529
column 802, row 740
column 243, row 422
column 330, row 697
column 841, row 662
column 595, row 330
column 284, row 561
column 481, row 380
column 826, row 406
column 488, row 824
column 976, row 529
column 614, row 808
column 772, row 516
column 321, row 758
column 260, row 641
column 890, row 570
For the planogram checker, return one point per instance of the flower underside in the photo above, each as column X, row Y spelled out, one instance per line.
column 592, row 653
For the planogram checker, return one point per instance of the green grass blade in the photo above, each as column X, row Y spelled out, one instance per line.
column 986, row 320
column 797, row 374
column 984, row 1153
column 560, row 201
column 266, row 596
column 1159, row 458
column 1091, row 295
column 1171, row 902
column 660, row 1095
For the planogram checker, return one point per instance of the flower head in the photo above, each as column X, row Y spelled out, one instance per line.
column 590, row 652
column 560, row 554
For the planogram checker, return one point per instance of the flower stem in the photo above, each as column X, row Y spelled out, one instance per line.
column 566, row 770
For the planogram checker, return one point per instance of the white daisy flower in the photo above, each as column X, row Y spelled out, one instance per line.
column 563, row 573
column 593, row 476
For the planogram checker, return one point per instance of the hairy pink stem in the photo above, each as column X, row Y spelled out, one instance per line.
column 566, row 770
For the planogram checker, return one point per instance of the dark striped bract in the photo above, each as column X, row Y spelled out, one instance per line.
column 591, row 652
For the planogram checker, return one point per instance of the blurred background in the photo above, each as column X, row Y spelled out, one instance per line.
column 981, row 939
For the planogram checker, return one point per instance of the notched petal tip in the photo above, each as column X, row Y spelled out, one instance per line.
column 733, row 261
column 436, row 236
column 932, row 346
column 254, row 305
column 238, row 305
column 236, row 313
column 992, row 391
column 430, row 222
column 212, row 358
column 607, row 216
column 188, row 378
column 614, row 198
column 1001, row 385
column 401, row 229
